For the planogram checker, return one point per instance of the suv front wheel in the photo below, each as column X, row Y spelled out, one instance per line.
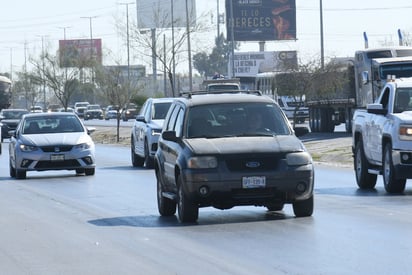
column 303, row 208
column 187, row 210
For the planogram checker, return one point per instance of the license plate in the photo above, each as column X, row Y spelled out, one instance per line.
column 59, row 157
column 253, row 182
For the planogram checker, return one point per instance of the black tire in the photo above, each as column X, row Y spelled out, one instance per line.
column 166, row 207
column 148, row 161
column 187, row 210
column 136, row 160
column 361, row 165
column 20, row 174
column 391, row 183
column 303, row 208
column 12, row 170
column 89, row 171
column 79, row 171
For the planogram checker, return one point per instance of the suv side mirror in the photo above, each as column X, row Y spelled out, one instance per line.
column 301, row 131
column 141, row 119
column 170, row 136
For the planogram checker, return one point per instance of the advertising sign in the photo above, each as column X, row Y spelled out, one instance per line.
column 248, row 64
column 261, row 20
column 80, row 51
column 152, row 14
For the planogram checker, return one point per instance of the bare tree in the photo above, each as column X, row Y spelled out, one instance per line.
column 168, row 50
column 62, row 81
column 115, row 88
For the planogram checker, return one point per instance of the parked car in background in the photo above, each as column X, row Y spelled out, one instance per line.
column 225, row 150
column 36, row 109
column 129, row 112
column 80, row 107
column 146, row 131
column 9, row 119
column 51, row 141
column 53, row 108
column 110, row 112
column 68, row 109
column 93, row 111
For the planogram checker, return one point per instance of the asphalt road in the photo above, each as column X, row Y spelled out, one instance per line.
column 59, row 223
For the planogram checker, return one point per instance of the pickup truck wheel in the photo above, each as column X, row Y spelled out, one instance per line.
column 166, row 206
column 303, row 208
column 363, row 178
column 391, row 183
column 187, row 210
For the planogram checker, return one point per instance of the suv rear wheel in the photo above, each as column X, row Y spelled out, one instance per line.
column 187, row 210
column 166, row 207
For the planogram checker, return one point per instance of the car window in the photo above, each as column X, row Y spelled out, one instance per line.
column 48, row 125
column 171, row 122
column 178, row 128
column 160, row 110
column 236, row 119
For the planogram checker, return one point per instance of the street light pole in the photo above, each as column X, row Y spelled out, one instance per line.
column 322, row 58
column 43, row 68
column 91, row 53
column 128, row 47
column 189, row 48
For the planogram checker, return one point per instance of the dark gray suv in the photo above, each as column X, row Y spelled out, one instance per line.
column 230, row 149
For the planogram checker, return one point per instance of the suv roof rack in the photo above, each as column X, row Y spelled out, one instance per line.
column 204, row 92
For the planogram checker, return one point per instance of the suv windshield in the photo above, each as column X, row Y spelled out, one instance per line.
column 236, row 119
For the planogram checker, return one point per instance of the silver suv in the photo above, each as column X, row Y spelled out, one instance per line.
column 230, row 149
column 146, row 131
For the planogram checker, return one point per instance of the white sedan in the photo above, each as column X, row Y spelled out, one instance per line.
column 51, row 141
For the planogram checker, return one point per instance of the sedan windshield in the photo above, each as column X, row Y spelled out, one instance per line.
column 236, row 119
column 52, row 124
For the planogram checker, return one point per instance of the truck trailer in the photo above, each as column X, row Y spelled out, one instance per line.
column 366, row 74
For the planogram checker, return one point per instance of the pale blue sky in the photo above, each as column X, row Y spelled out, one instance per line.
column 344, row 24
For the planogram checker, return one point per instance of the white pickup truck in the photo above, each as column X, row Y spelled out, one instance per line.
column 382, row 138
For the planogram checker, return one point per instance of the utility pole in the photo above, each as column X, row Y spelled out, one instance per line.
column 218, row 19
column 91, row 52
column 43, row 68
column 128, row 48
column 189, row 48
column 322, row 57
column 173, row 51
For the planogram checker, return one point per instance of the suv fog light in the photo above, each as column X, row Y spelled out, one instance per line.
column 301, row 187
column 88, row 160
column 26, row 162
column 204, row 190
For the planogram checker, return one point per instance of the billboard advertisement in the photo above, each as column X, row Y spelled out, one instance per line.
column 248, row 64
column 153, row 14
column 80, row 52
column 261, row 20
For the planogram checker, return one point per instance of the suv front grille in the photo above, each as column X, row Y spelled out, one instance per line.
column 254, row 162
column 52, row 149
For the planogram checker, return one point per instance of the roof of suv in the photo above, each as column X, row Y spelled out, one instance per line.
column 213, row 98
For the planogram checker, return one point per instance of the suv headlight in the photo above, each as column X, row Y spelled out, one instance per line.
column 299, row 158
column 405, row 132
column 202, row 162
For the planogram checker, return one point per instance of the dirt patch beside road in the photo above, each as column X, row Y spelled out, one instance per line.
column 325, row 148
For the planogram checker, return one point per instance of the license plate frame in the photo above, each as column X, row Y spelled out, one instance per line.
column 57, row 157
column 253, row 182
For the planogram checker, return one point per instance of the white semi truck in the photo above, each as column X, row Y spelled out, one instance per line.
column 366, row 74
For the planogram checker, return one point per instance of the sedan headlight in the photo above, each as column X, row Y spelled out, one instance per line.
column 83, row 146
column 28, row 148
column 202, row 162
column 299, row 158
column 405, row 132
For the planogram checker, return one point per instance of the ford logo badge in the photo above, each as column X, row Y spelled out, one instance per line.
column 253, row 164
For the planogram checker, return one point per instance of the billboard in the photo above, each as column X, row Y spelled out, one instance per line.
column 261, row 20
column 80, row 52
column 152, row 14
column 248, row 64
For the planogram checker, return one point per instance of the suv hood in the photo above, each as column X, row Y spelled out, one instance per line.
column 239, row 145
